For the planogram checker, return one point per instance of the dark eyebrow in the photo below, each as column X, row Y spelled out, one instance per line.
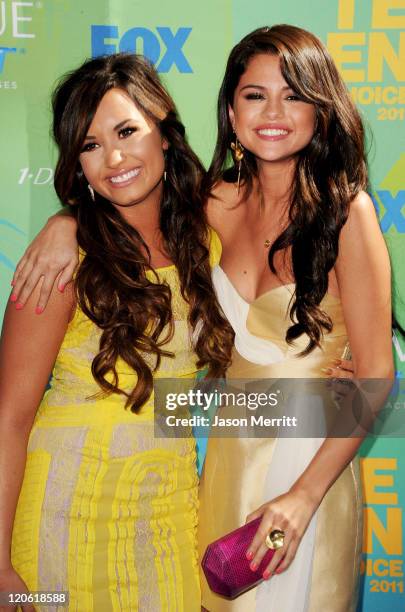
column 116, row 128
column 253, row 86
column 121, row 124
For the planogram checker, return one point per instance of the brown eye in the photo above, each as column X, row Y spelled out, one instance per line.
column 293, row 96
column 127, row 131
column 90, row 146
column 254, row 96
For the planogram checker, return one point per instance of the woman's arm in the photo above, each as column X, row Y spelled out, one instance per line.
column 28, row 349
column 52, row 255
column 364, row 279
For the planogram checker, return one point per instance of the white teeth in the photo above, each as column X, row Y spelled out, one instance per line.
column 269, row 132
column 121, row 178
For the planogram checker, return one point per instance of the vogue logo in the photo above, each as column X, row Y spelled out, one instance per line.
column 163, row 48
column 16, row 23
column 16, row 18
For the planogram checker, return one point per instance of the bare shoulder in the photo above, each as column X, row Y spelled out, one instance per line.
column 362, row 216
column 54, row 320
column 361, row 238
column 362, row 207
column 221, row 204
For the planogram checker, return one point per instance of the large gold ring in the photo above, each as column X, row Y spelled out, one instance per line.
column 275, row 539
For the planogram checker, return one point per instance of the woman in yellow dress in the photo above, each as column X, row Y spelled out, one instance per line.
column 106, row 511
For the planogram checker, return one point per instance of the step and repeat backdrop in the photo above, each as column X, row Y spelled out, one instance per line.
column 189, row 42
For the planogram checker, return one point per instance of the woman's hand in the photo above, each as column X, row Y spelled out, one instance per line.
column 340, row 373
column 290, row 512
column 340, row 368
column 11, row 582
column 52, row 255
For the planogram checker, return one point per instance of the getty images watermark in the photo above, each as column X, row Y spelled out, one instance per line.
column 297, row 408
column 210, row 400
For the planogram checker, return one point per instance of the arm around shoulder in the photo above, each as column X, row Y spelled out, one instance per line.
column 53, row 254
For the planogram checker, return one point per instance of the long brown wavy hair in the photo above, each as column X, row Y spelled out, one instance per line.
column 329, row 173
column 112, row 287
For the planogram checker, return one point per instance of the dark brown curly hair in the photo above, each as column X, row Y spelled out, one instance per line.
column 112, row 287
column 330, row 170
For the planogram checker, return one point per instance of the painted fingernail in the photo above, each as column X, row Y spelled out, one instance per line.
column 254, row 566
column 19, row 306
column 12, row 283
column 278, row 571
column 249, row 555
column 61, row 287
column 266, row 574
column 13, row 297
column 39, row 310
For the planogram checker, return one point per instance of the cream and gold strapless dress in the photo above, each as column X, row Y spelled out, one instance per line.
column 240, row 474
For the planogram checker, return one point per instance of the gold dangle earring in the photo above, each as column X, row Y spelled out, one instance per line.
column 237, row 149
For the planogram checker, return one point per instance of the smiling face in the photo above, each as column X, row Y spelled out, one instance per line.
column 123, row 153
column 269, row 118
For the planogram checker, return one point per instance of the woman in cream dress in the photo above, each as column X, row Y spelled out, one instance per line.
column 304, row 270
column 241, row 472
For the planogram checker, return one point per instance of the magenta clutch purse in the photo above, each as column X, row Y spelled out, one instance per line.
column 225, row 565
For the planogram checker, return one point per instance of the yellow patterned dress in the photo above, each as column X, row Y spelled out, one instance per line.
column 106, row 511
